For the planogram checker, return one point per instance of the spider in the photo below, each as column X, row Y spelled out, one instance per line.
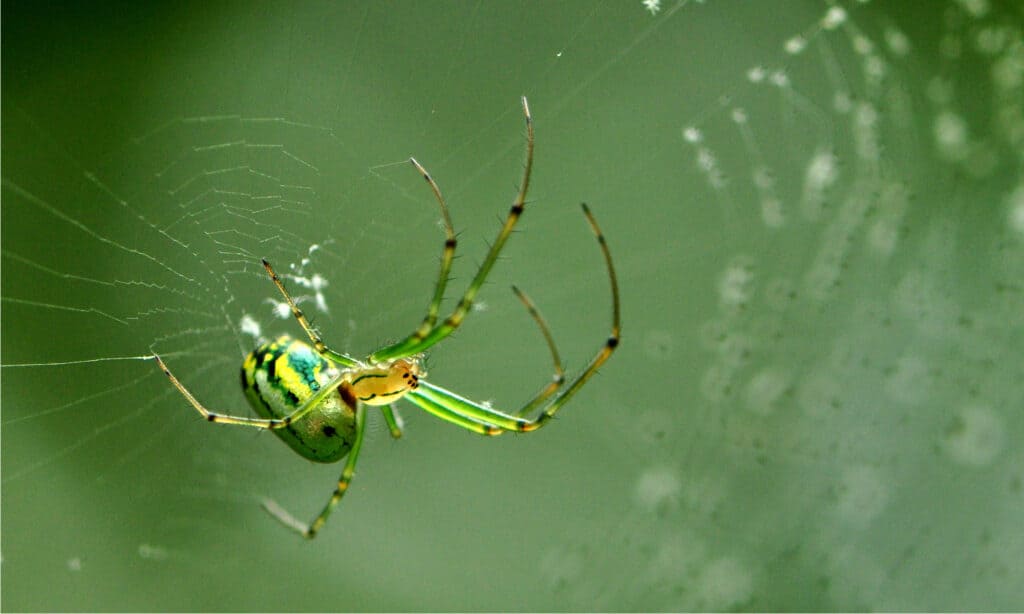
column 315, row 398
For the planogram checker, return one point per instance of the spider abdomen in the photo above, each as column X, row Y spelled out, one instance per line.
column 277, row 377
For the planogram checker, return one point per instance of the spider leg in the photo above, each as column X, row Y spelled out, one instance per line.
column 422, row 338
column 437, row 399
column 559, row 378
column 318, row 342
column 309, row 531
column 478, row 418
column 392, row 421
column 262, row 423
column 446, row 411
column 447, row 256
column 610, row 344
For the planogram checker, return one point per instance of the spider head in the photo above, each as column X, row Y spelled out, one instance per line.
column 408, row 372
column 384, row 384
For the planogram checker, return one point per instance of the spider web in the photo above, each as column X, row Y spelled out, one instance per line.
column 817, row 223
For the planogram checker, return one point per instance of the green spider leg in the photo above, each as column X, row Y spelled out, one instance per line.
column 263, row 423
column 447, row 257
column 318, row 342
column 424, row 337
column 559, row 378
column 310, row 530
column 272, row 507
column 481, row 419
column 447, row 414
column 443, row 409
column 392, row 421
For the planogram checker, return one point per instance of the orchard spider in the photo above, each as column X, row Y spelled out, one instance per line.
column 316, row 398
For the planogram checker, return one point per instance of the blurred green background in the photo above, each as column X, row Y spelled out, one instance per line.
column 817, row 215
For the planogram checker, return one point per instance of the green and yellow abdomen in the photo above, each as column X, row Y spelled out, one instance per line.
column 278, row 376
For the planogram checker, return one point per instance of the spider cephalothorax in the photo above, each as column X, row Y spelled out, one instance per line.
column 385, row 383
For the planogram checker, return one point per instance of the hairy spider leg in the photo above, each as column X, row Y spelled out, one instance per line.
column 481, row 419
column 446, row 412
column 559, row 377
column 422, row 338
column 262, row 423
column 318, row 342
column 309, row 531
column 447, row 257
column 392, row 421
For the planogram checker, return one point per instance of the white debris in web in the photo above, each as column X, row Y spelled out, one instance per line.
column 821, row 174
column 297, row 277
column 250, row 326
column 795, row 45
